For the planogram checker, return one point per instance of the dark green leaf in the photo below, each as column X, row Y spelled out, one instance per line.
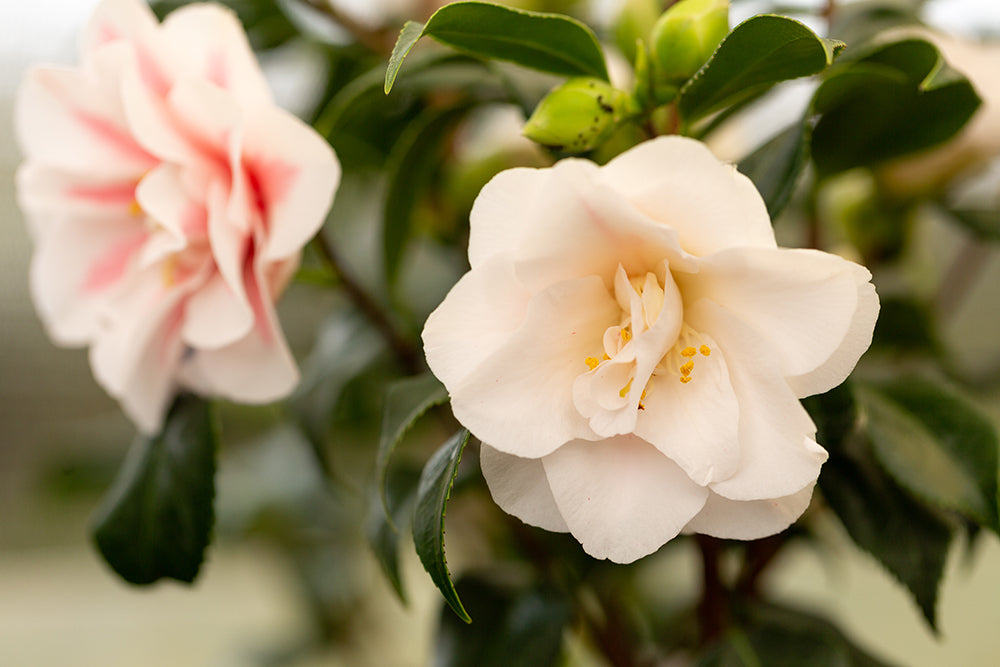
column 383, row 528
column 758, row 53
column 899, row 99
column 405, row 401
column 776, row 166
column 412, row 167
column 935, row 444
column 344, row 348
column 904, row 325
column 156, row 520
column 909, row 539
column 547, row 42
column 513, row 627
column 984, row 223
column 428, row 518
column 774, row 636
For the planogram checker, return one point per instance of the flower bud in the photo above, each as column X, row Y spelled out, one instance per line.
column 686, row 35
column 577, row 116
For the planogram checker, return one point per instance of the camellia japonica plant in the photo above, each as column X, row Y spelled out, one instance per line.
column 552, row 274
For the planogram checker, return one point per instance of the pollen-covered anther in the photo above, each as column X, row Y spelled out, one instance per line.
column 134, row 209
column 626, row 334
column 592, row 362
column 704, row 349
column 689, row 352
column 687, row 368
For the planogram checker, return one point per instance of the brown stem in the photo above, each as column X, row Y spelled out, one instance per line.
column 378, row 41
column 404, row 351
column 712, row 612
column 612, row 637
column 759, row 555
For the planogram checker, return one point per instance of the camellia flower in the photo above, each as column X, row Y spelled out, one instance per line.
column 630, row 346
column 169, row 200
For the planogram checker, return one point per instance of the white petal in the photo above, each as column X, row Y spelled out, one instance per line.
column 503, row 213
column 803, row 303
column 519, row 486
column 293, row 174
column 519, row 400
column 621, row 498
column 749, row 519
column 678, row 182
column 840, row 364
column 778, row 455
column 695, row 423
column 587, row 229
column 216, row 50
column 476, row 318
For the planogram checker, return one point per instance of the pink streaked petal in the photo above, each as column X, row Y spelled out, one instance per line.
column 230, row 247
column 164, row 197
column 67, row 119
column 216, row 49
column 111, row 266
column 215, row 317
column 115, row 20
column 293, row 174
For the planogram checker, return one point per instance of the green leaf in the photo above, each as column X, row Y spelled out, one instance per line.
column 771, row 636
column 344, row 348
column 405, row 401
column 935, row 444
column 909, row 539
column 904, row 325
column 156, row 520
column 382, row 525
column 513, row 627
column 548, row 42
column 412, row 167
column 984, row 223
column 428, row 518
column 758, row 53
column 899, row 99
column 776, row 166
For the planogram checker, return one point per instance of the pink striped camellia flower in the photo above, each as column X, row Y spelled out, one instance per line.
column 169, row 200
column 630, row 345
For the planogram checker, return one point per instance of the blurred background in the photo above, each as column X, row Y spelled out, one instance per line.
column 62, row 439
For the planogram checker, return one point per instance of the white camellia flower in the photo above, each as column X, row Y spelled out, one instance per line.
column 169, row 200
column 630, row 345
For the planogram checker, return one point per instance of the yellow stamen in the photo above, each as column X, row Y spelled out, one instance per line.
column 134, row 209
column 626, row 334
column 606, row 357
column 705, row 350
column 168, row 271
column 624, row 392
column 591, row 362
column 687, row 368
column 685, row 379
column 688, row 352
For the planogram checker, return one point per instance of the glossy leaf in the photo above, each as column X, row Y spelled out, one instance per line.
column 758, row 53
column 428, row 519
column 513, row 627
column 908, row 538
column 156, row 520
column 776, row 166
column 771, row 635
column 547, row 42
column 411, row 169
column 935, row 444
column 405, row 401
column 382, row 526
column 899, row 99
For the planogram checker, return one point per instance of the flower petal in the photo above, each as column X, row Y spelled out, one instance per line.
column 214, row 317
column 519, row 400
column 678, row 182
column 804, row 303
column 115, row 20
column 621, row 498
column 749, row 519
column 293, row 174
column 519, row 486
column 695, row 423
column 216, row 50
column 475, row 319
column 503, row 213
column 778, row 456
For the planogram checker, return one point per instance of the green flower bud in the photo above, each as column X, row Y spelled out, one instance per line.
column 686, row 35
column 633, row 23
column 577, row 116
